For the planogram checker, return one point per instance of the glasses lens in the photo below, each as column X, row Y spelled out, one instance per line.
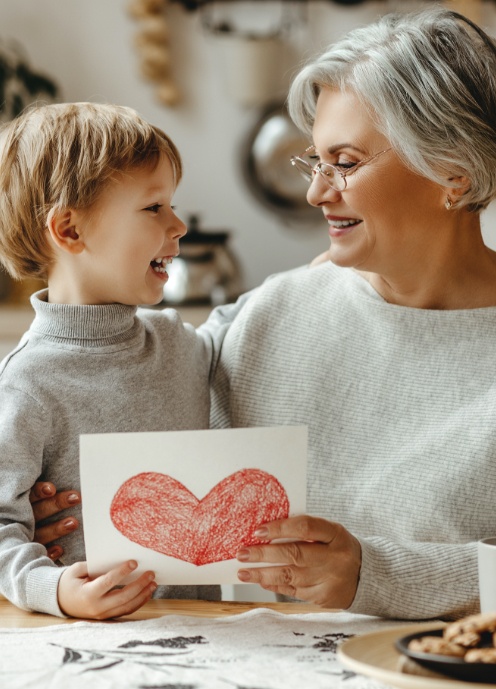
column 332, row 177
column 307, row 166
column 303, row 167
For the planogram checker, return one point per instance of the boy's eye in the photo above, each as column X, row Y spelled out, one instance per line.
column 153, row 208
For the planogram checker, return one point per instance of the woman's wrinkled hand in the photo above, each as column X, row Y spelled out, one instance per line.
column 46, row 502
column 320, row 565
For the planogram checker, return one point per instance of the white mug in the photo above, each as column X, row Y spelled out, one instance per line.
column 486, row 551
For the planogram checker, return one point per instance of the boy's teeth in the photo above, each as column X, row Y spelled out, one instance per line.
column 159, row 264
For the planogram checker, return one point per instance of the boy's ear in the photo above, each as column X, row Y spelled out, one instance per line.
column 61, row 225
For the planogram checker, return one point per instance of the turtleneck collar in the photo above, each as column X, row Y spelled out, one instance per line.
column 88, row 325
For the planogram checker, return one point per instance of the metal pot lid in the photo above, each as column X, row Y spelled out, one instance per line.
column 266, row 164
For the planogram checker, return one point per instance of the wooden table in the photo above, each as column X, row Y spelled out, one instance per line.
column 10, row 616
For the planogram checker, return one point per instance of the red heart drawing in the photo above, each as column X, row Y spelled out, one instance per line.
column 160, row 513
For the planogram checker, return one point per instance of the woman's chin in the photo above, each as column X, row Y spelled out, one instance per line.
column 348, row 256
column 343, row 259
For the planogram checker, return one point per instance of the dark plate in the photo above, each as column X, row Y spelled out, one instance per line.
column 453, row 667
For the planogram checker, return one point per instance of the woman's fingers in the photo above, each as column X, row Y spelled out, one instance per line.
column 299, row 553
column 288, row 581
column 310, row 585
column 46, row 502
column 48, row 506
column 300, row 528
column 41, row 490
column 55, row 552
column 50, row 532
column 321, row 258
column 321, row 564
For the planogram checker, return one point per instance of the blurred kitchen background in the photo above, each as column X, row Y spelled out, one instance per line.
column 214, row 76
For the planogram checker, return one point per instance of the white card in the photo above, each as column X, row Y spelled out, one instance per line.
column 181, row 503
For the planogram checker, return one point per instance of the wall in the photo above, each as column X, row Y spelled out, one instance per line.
column 87, row 45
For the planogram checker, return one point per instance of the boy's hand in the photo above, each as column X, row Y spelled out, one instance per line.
column 46, row 502
column 97, row 599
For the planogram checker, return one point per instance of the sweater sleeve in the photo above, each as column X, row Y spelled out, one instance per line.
column 214, row 330
column 417, row 580
column 28, row 578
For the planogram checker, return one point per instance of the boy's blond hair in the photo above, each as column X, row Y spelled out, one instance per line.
column 63, row 156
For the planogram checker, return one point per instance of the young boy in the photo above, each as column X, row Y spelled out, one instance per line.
column 85, row 202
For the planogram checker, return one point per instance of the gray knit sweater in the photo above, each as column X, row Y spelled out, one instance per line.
column 401, row 409
column 86, row 369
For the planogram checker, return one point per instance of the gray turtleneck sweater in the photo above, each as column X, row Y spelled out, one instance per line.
column 86, row 369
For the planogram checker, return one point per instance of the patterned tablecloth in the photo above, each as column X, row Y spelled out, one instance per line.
column 260, row 649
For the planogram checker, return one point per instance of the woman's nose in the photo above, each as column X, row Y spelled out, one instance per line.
column 320, row 192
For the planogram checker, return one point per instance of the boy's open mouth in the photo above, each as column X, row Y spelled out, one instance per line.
column 159, row 264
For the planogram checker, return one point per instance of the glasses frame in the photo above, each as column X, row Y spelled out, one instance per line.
column 302, row 166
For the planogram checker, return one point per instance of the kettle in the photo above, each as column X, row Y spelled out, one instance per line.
column 205, row 272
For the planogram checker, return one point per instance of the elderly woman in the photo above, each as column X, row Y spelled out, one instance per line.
column 387, row 351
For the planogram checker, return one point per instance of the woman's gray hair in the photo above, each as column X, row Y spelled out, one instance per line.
column 429, row 80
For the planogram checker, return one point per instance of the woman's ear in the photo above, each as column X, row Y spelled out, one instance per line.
column 61, row 225
column 455, row 190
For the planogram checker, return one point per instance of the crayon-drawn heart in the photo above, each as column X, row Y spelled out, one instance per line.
column 157, row 512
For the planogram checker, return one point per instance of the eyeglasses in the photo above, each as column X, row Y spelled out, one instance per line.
column 335, row 177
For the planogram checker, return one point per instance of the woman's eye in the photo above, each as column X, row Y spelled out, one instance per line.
column 154, row 208
column 345, row 165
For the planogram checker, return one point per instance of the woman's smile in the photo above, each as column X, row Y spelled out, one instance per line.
column 339, row 227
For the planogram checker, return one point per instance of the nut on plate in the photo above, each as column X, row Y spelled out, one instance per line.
column 466, row 638
column 436, row 645
column 483, row 622
column 481, row 655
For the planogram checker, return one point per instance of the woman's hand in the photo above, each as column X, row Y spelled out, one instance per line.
column 321, row 565
column 321, row 258
column 46, row 502
column 98, row 599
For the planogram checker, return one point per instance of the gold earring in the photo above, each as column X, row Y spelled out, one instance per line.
column 448, row 203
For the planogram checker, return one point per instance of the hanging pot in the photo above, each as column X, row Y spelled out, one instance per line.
column 267, row 169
